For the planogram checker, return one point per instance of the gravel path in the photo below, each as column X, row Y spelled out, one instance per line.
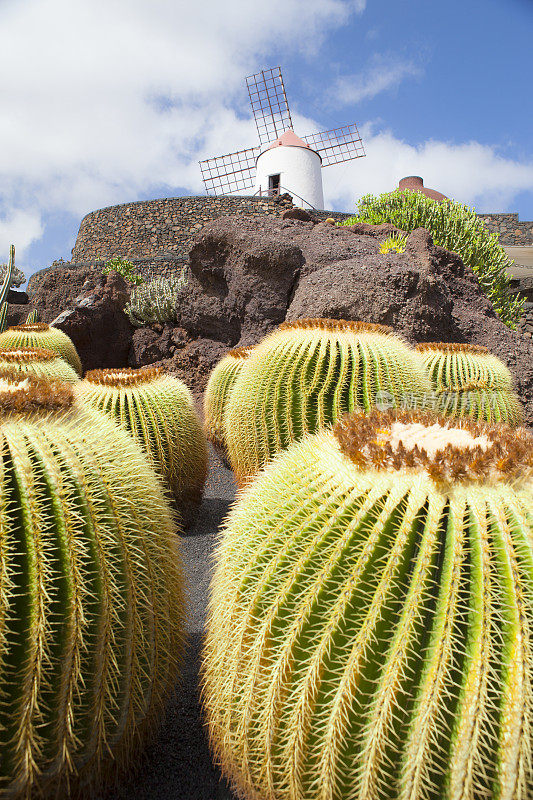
column 177, row 765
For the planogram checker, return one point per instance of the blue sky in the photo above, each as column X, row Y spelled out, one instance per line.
column 109, row 101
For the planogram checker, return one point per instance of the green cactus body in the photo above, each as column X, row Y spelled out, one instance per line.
column 157, row 410
column 41, row 335
column 41, row 363
column 306, row 375
column 469, row 381
column 91, row 595
column 370, row 623
column 219, row 386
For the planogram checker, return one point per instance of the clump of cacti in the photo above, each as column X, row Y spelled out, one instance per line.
column 157, row 300
column 41, row 335
column 91, row 594
column 307, row 374
column 157, row 409
column 370, row 624
column 219, row 386
column 469, row 381
column 39, row 362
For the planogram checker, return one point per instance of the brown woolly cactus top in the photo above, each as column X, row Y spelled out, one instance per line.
column 240, row 352
column 451, row 347
column 123, row 377
column 448, row 450
column 25, row 394
column 336, row 325
column 36, row 326
column 24, row 354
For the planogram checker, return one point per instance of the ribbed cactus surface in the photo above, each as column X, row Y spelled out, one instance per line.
column 157, row 409
column 91, row 594
column 306, row 375
column 469, row 381
column 41, row 335
column 39, row 362
column 219, row 386
column 370, row 624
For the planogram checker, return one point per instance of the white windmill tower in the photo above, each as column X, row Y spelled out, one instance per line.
column 283, row 162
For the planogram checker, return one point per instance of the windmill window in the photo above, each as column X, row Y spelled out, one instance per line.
column 274, row 183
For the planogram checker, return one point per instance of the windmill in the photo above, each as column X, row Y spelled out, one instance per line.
column 283, row 162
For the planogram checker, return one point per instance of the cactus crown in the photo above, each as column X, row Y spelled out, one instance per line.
column 36, row 326
column 451, row 347
column 240, row 352
column 23, row 394
column 123, row 377
column 448, row 450
column 336, row 325
column 25, row 354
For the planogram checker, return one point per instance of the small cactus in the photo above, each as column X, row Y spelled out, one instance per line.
column 91, row 595
column 469, row 381
column 307, row 374
column 44, row 336
column 39, row 362
column 219, row 386
column 157, row 409
column 370, row 622
column 33, row 317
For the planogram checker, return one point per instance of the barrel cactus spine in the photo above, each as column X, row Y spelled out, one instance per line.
column 92, row 600
column 157, row 410
column 370, row 621
column 41, row 335
column 39, row 362
column 468, row 380
column 306, row 375
column 219, row 386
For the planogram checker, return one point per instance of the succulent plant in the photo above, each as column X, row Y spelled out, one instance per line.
column 393, row 244
column 370, row 622
column 219, row 386
column 32, row 317
column 43, row 336
column 91, row 594
column 39, row 362
column 469, row 381
column 157, row 300
column 157, row 410
column 307, row 374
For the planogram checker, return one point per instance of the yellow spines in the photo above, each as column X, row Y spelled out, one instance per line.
column 41, row 363
column 219, row 386
column 306, row 375
column 157, row 409
column 469, row 381
column 91, row 594
column 41, row 335
column 370, row 621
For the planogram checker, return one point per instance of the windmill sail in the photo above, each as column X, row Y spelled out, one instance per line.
column 337, row 145
column 269, row 104
column 230, row 173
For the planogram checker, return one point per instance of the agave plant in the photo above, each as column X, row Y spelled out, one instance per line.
column 370, row 622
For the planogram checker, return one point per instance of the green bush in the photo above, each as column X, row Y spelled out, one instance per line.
column 157, row 300
column 124, row 268
column 455, row 227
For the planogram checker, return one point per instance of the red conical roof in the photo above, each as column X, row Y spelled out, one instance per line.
column 289, row 139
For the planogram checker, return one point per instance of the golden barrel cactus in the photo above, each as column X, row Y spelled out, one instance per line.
column 469, row 381
column 39, row 362
column 370, row 624
column 91, row 594
column 219, row 386
column 41, row 335
column 157, row 410
column 307, row 374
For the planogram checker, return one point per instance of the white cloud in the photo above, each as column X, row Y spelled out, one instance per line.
column 469, row 172
column 20, row 228
column 384, row 72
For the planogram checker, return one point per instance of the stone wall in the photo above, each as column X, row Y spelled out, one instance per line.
column 512, row 231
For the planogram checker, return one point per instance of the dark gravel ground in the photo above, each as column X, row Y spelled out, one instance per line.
column 177, row 765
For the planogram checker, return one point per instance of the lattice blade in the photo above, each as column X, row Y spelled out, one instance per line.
column 337, row 145
column 269, row 104
column 230, row 173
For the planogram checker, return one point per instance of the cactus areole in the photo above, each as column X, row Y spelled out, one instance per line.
column 309, row 373
column 370, row 625
column 91, row 595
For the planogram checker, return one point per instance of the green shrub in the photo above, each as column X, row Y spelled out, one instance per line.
column 124, row 268
column 455, row 227
column 157, row 300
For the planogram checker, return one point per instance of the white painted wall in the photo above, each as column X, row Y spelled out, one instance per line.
column 300, row 170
